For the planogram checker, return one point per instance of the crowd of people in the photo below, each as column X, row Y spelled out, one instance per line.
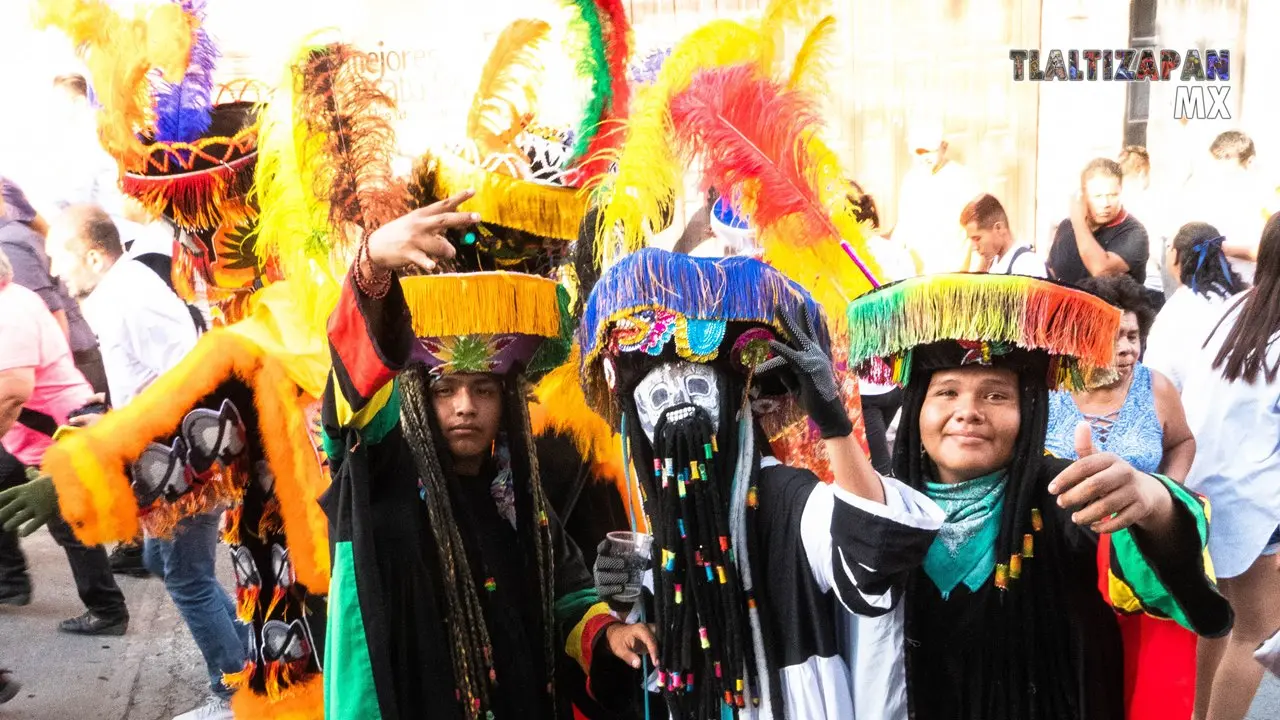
column 479, row 450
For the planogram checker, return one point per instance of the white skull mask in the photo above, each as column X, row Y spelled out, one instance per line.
column 676, row 383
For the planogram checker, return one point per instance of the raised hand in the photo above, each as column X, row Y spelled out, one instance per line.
column 812, row 370
column 1107, row 493
column 25, row 508
column 417, row 238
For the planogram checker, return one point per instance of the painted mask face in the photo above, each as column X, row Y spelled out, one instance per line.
column 676, row 383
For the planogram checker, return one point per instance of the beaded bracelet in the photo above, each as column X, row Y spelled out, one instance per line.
column 380, row 283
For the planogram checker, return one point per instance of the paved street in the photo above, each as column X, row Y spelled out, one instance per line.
column 154, row 672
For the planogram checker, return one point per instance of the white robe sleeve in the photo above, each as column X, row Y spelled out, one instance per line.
column 862, row 549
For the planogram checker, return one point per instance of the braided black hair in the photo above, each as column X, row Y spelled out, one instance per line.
column 458, row 552
column 1027, row 679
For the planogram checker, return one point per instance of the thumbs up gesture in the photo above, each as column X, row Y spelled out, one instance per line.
column 1104, row 493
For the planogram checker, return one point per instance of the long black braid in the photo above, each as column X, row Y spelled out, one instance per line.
column 471, row 647
column 1031, row 679
column 699, row 599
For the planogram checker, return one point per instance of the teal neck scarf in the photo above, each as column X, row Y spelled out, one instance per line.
column 965, row 549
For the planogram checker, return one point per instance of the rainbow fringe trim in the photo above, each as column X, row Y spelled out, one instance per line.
column 1077, row 330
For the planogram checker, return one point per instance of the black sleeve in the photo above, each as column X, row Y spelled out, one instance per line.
column 1132, row 245
column 1062, row 240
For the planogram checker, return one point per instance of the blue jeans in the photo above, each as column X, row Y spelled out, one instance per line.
column 187, row 565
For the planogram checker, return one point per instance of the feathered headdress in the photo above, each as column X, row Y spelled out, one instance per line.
column 121, row 54
column 977, row 317
column 724, row 97
column 654, row 301
column 529, row 179
column 324, row 172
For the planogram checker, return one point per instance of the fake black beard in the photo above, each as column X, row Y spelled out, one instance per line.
column 703, row 635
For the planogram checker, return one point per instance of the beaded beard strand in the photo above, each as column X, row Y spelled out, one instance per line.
column 699, row 598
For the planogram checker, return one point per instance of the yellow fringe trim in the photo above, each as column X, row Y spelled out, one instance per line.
column 300, row 701
column 487, row 303
column 545, row 210
column 88, row 466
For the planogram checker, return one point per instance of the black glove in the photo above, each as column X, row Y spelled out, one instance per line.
column 614, row 574
column 813, row 373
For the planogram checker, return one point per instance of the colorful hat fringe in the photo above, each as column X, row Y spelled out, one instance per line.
column 496, row 304
column 1076, row 329
column 661, row 297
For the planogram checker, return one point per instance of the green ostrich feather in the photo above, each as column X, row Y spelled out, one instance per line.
column 593, row 65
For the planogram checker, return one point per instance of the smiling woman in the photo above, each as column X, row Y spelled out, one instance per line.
column 1003, row 618
column 969, row 421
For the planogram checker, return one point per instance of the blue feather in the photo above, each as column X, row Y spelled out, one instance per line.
column 183, row 109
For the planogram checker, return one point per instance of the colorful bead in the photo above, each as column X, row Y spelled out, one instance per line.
column 679, row 594
column 490, row 584
column 675, row 681
column 738, row 684
column 707, row 450
column 717, row 668
column 1028, row 546
column 668, row 560
column 693, row 471
column 702, row 635
column 724, row 544
column 720, row 572
column 469, row 239
column 1015, row 566
column 1002, row 576
column 752, row 499
column 662, row 678
column 1037, row 521
column 710, row 577
column 728, row 698
column 680, row 486
column 714, row 445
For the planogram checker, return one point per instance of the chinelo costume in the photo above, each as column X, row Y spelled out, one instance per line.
column 728, row 99
column 533, row 188
column 1009, row 612
column 745, row 594
column 236, row 423
column 462, row 597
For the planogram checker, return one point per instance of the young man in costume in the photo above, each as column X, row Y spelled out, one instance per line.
column 1009, row 612
column 454, row 590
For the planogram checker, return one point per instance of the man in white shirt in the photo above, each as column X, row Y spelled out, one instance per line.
column 932, row 194
column 144, row 329
column 987, row 226
column 1227, row 192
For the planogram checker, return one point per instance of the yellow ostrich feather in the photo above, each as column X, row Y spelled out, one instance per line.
column 649, row 171
column 293, row 231
column 813, row 61
column 778, row 17
column 506, row 98
column 120, row 52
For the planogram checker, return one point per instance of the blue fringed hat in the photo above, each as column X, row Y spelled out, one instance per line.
column 656, row 306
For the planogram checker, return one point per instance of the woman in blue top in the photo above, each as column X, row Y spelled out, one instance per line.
column 1138, row 415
